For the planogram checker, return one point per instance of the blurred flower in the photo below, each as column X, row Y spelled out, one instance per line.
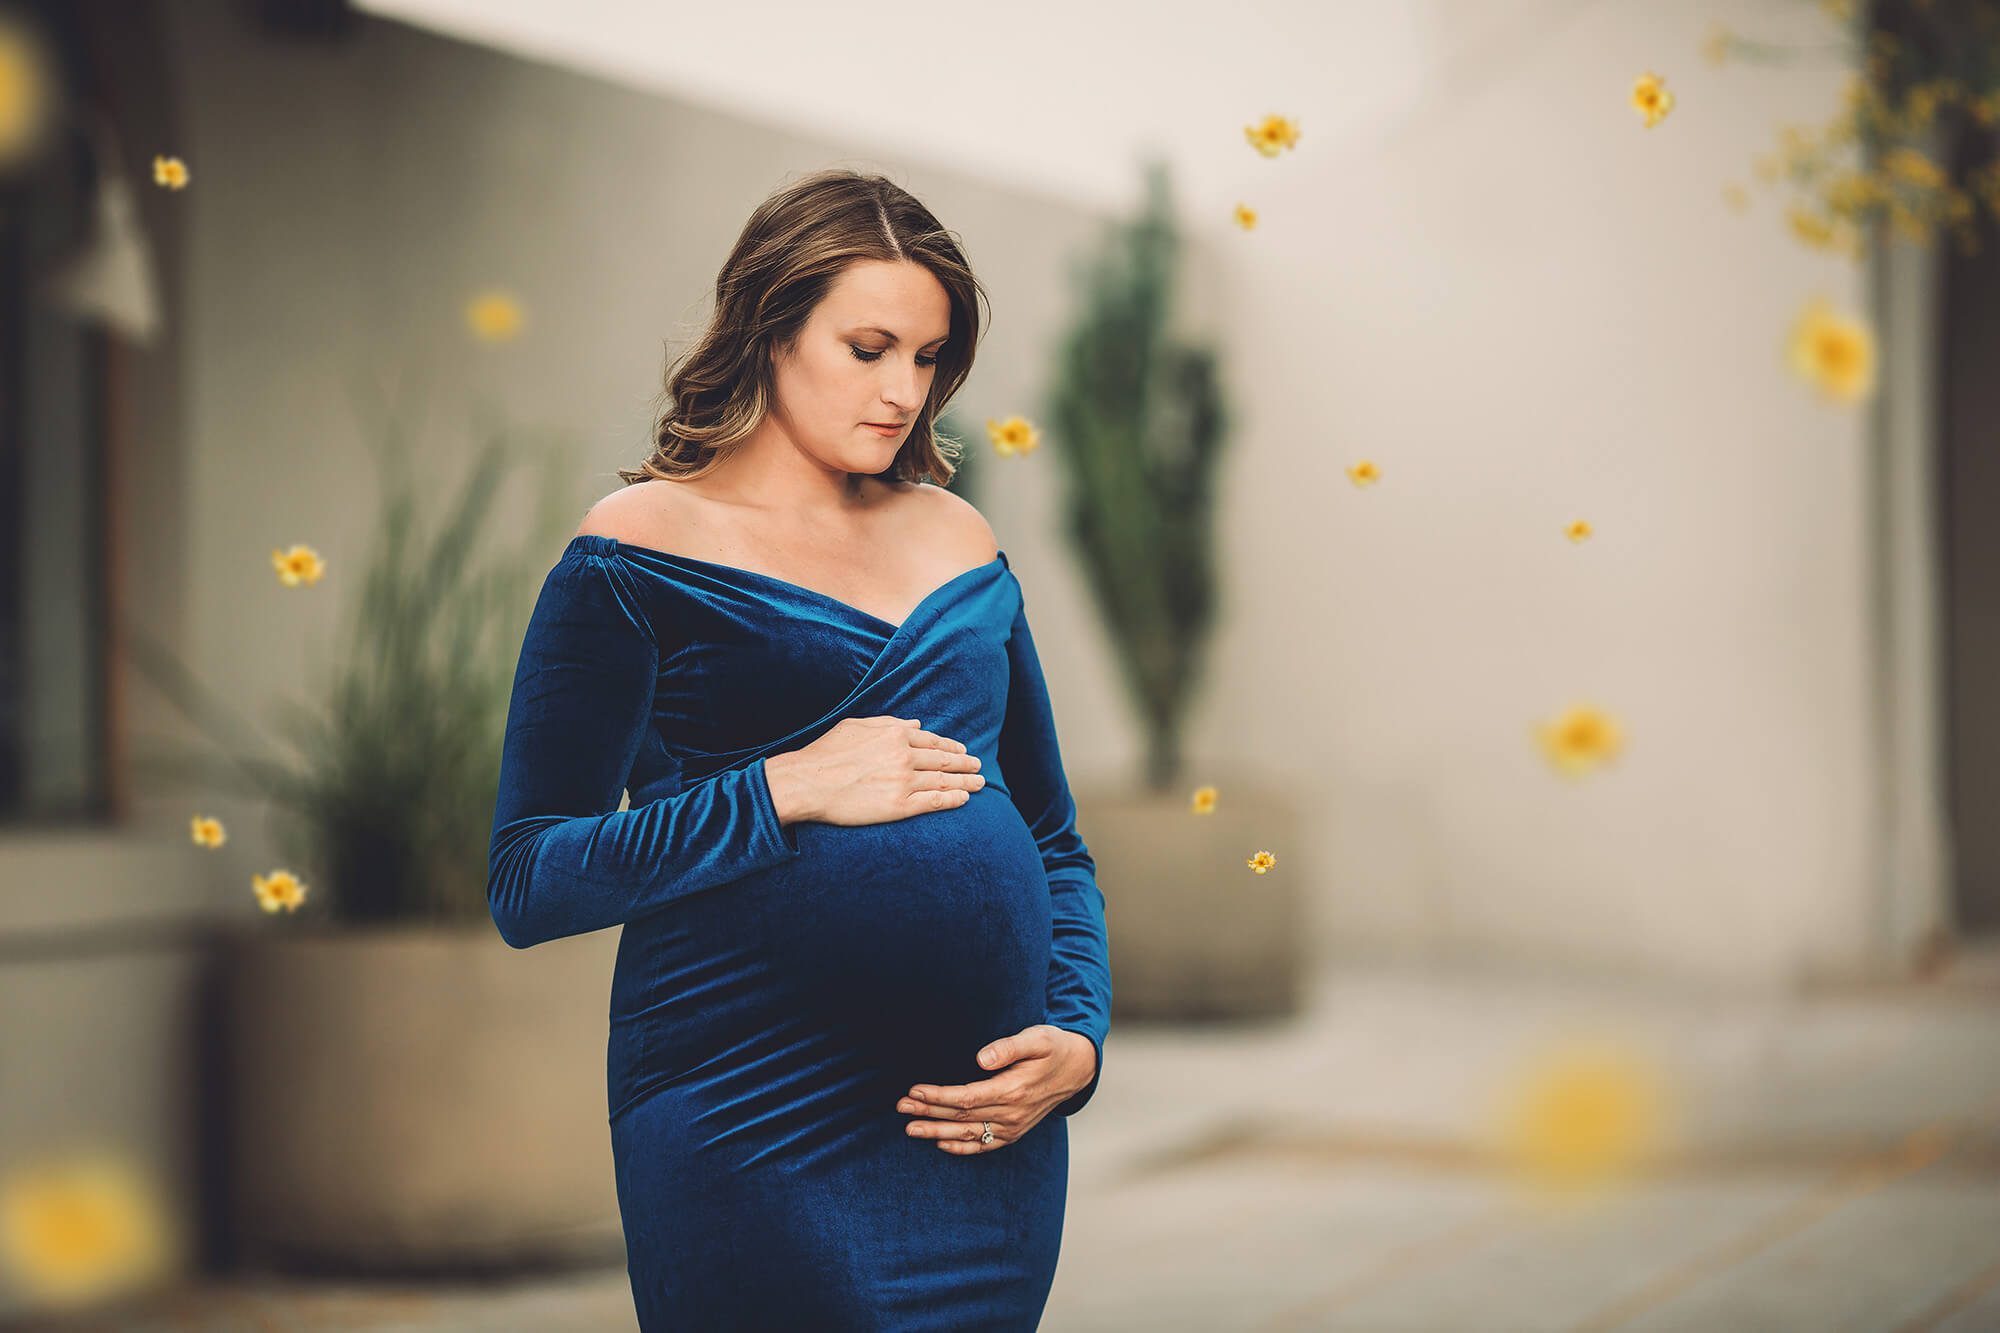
column 1715, row 46
column 1736, row 196
column 1246, row 216
column 207, row 831
column 1651, row 98
column 82, row 1229
column 1364, row 473
column 1271, row 134
column 279, row 889
column 495, row 316
column 27, row 91
column 1582, row 1117
column 299, row 565
column 1203, row 801
column 1261, row 861
column 1012, row 436
column 1821, row 233
column 1914, row 166
column 1581, row 739
column 1578, row 531
column 170, row 172
column 1833, row 352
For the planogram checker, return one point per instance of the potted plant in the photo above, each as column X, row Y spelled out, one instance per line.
column 403, row 1090
column 1141, row 421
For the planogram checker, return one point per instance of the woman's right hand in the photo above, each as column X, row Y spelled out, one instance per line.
column 871, row 770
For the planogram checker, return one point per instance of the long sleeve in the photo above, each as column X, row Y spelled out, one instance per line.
column 564, row 859
column 1079, row 987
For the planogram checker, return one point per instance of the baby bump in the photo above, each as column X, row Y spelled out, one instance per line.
column 891, row 951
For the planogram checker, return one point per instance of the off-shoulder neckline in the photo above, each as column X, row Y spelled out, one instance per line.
column 618, row 546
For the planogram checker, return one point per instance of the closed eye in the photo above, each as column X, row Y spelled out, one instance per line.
column 860, row 355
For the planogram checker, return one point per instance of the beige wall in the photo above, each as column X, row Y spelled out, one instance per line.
column 1527, row 309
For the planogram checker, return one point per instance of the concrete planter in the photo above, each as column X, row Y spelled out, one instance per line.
column 418, row 1098
column 1194, row 932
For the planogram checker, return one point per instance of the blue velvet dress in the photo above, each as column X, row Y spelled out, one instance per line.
column 778, row 989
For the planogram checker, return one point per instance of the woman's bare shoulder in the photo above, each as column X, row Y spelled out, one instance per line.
column 952, row 521
column 645, row 513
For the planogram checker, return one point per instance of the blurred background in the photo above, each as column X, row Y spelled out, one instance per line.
column 1536, row 710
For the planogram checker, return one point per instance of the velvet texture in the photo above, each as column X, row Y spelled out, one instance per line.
column 777, row 989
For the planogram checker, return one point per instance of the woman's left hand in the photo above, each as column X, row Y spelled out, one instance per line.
column 1044, row 1066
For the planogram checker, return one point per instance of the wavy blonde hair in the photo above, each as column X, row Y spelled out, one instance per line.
column 789, row 253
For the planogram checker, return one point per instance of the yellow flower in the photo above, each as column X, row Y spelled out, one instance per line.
column 1651, row 98
column 494, row 316
column 279, row 889
column 1012, row 436
column 1736, row 196
column 1811, row 228
column 1852, row 193
column 1581, row 739
column 82, row 1229
column 1203, row 801
column 26, row 90
column 1833, row 352
column 1272, row 134
column 207, row 831
column 1715, row 46
column 1579, row 530
column 299, row 565
column 1364, row 473
column 1582, row 1117
column 170, row 172
column 1260, row 861
column 1246, row 216
column 1910, row 164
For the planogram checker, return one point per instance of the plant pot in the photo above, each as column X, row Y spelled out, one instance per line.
column 418, row 1098
column 1194, row 932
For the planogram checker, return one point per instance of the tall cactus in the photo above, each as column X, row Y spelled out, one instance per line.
column 1138, row 422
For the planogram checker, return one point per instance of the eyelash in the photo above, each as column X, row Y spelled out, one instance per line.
column 860, row 355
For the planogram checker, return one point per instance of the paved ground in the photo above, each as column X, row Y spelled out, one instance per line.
column 1835, row 1165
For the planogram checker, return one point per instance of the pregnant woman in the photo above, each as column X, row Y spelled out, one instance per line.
column 863, row 977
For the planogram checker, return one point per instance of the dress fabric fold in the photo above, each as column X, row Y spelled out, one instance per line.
column 777, row 989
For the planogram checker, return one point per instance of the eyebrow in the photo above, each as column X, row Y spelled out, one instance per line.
column 876, row 328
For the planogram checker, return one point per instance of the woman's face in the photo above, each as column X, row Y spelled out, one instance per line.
column 867, row 354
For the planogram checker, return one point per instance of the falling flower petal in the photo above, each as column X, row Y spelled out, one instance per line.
column 495, row 316
column 82, row 1229
column 300, row 565
column 279, row 889
column 1246, row 216
column 1582, row 739
column 1272, row 135
column 1364, row 473
column 27, row 90
column 1582, row 1117
column 1012, row 436
column 170, row 172
column 1651, row 98
column 1261, row 861
column 1203, row 801
column 1579, row 531
column 1833, row 352
column 207, row 831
